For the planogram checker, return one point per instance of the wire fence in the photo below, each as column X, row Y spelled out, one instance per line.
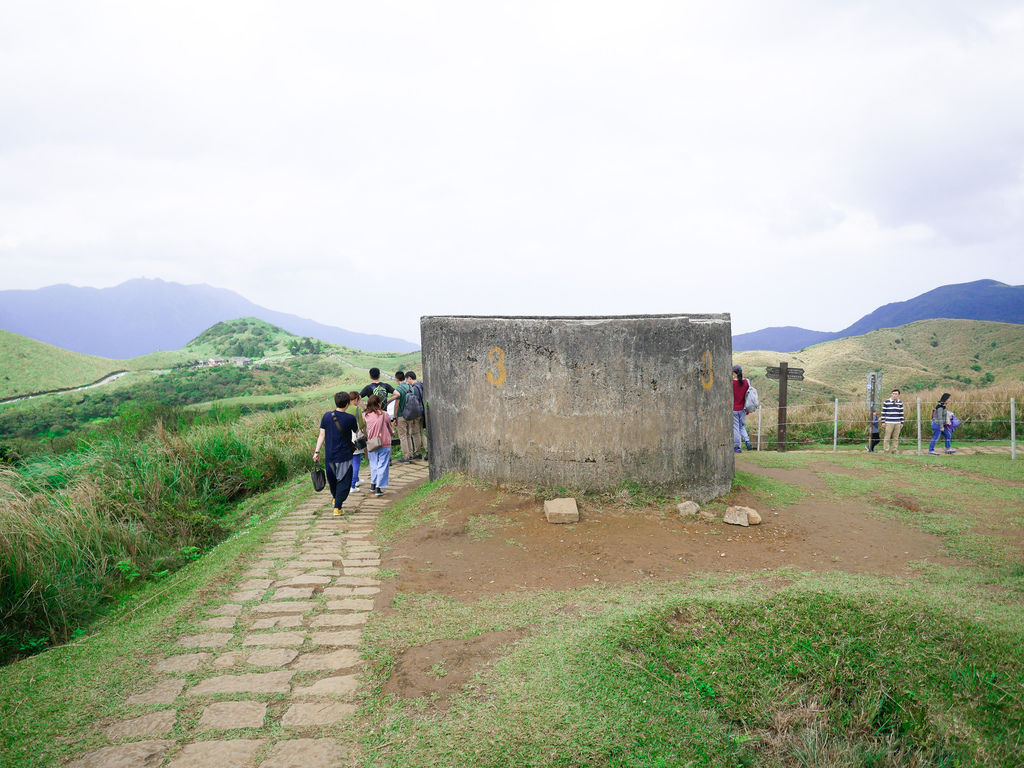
column 984, row 423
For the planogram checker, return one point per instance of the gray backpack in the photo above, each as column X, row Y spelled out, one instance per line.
column 413, row 404
column 751, row 401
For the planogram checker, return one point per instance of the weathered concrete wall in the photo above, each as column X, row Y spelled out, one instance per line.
column 582, row 402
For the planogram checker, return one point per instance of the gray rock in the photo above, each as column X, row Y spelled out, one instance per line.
column 688, row 508
column 736, row 516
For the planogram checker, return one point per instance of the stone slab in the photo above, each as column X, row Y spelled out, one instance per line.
column 228, row 609
column 225, row 715
column 277, row 639
column 291, row 620
column 361, row 571
column 185, row 662
column 306, row 714
column 154, row 724
column 350, row 604
column 339, row 620
column 272, row 657
column 303, row 580
column 295, row 606
column 161, row 693
column 365, row 591
column 338, row 591
column 134, row 755
column 342, row 659
column 360, row 563
column 363, row 555
column 257, row 682
column 357, row 581
column 236, row 753
column 306, row 753
column 219, row 622
column 339, row 685
column 208, row 640
column 349, row 637
column 561, row 511
column 255, row 584
column 293, row 593
column 247, row 596
column 226, row 661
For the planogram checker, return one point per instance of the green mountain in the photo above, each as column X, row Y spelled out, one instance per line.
column 926, row 355
column 29, row 366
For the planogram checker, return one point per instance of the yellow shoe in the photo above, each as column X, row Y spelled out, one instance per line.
column 338, row 513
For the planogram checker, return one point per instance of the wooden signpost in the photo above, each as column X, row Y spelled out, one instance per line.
column 783, row 373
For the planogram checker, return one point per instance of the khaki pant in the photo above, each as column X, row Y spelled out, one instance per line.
column 410, row 434
column 892, row 432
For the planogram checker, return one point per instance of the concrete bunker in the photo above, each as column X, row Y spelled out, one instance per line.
column 582, row 402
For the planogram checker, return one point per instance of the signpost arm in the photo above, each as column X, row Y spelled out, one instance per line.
column 783, row 382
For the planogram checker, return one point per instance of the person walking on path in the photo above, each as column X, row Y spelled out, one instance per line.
column 410, row 417
column 739, row 413
column 336, row 428
column 356, row 409
column 942, row 424
column 873, row 432
column 378, row 427
column 381, row 389
column 892, row 418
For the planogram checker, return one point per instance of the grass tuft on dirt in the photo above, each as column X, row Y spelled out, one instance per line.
column 808, row 675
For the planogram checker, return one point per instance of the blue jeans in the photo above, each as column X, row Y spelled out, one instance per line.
column 739, row 428
column 380, row 463
column 356, row 461
column 936, row 431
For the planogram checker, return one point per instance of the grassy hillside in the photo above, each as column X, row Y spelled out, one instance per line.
column 926, row 355
column 32, row 366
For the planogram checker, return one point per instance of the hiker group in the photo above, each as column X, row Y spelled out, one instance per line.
column 353, row 430
column 893, row 416
column 884, row 427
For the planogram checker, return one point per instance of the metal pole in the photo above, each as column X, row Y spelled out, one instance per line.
column 835, row 428
column 919, row 426
column 783, row 385
column 759, row 426
column 1013, row 428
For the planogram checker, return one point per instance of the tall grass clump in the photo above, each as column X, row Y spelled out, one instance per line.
column 79, row 528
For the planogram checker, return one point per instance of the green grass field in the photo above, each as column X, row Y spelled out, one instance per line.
column 32, row 366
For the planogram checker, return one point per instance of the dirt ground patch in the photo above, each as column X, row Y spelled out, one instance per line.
column 444, row 666
column 488, row 541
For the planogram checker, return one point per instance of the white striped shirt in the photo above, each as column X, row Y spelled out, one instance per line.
column 892, row 411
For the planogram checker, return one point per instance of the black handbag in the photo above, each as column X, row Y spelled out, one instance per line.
column 319, row 478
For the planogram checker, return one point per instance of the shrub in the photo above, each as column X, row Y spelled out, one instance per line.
column 82, row 526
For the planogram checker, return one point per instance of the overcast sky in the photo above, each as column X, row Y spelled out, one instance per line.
column 362, row 164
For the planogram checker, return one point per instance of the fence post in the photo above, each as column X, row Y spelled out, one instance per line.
column 835, row 428
column 919, row 426
column 1013, row 428
column 759, row 426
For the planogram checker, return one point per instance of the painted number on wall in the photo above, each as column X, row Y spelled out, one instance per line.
column 496, row 374
column 707, row 375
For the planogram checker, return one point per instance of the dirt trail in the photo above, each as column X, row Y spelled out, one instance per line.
column 266, row 678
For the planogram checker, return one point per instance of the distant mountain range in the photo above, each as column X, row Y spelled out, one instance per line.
column 980, row 300
column 142, row 316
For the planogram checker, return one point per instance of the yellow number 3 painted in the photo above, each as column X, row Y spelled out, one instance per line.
column 707, row 375
column 497, row 358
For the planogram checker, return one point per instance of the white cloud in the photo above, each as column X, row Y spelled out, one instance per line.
column 791, row 163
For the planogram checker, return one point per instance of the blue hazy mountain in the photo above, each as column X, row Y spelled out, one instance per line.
column 143, row 315
column 980, row 300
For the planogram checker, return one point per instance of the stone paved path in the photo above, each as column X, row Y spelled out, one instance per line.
column 267, row 678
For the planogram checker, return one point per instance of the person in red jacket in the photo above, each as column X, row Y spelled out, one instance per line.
column 739, row 414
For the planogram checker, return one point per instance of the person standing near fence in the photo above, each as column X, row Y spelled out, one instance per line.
column 892, row 418
column 739, row 413
column 942, row 424
column 873, row 437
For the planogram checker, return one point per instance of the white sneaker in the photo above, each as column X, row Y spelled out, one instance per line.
column 354, row 490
